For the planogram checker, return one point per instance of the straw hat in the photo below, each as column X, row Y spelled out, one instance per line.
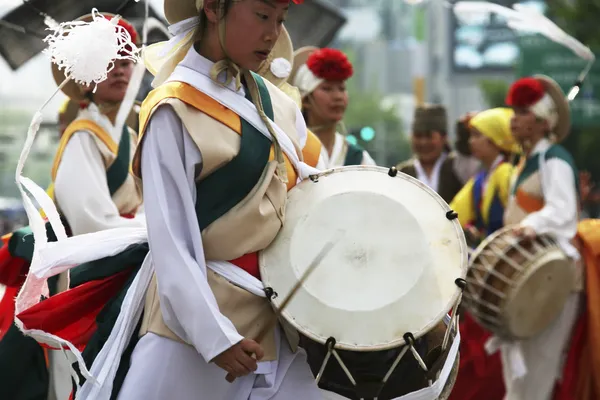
column 561, row 130
column 300, row 57
column 72, row 89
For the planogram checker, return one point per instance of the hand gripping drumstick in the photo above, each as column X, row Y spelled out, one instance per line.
column 311, row 268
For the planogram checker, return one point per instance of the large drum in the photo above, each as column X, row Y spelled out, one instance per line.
column 516, row 286
column 392, row 277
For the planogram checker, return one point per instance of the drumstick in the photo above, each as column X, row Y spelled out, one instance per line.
column 273, row 321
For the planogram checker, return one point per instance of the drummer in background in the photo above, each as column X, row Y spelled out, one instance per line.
column 434, row 163
column 480, row 206
column 480, row 203
column 543, row 200
column 321, row 75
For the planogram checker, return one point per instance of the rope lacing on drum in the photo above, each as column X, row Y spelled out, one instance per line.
column 409, row 339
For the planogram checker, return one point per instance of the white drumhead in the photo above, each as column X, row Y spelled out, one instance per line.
column 392, row 271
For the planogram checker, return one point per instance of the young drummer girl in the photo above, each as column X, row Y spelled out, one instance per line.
column 221, row 147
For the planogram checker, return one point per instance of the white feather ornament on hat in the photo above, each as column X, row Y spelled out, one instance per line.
column 87, row 51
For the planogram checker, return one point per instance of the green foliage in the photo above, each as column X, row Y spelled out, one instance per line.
column 580, row 19
column 577, row 17
column 494, row 91
column 364, row 109
column 584, row 145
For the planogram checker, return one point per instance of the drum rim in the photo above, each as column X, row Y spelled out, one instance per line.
column 439, row 317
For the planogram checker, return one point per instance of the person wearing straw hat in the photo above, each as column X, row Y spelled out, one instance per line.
column 542, row 200
column 220, row 147
column 480, row 206
column 433, row 163
column 321, row 75
column 94, row 191
column 88, row 189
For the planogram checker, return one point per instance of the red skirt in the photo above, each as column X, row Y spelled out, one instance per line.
column 479, row 375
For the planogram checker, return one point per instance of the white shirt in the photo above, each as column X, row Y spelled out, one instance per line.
column 81, row 188
column 433, row 180
column 338, row 154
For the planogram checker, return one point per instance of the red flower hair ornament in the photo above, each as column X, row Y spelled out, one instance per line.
column 330, row 65
column 525, row 92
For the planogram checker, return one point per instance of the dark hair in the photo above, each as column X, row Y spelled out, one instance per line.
column 89, row 96
column 226, row 4
column 462, row 138
column 204, row 20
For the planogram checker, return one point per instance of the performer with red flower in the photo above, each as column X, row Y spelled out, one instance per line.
column 321, row 75
column 543, row 200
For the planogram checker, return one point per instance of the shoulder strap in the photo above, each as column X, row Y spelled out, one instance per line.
column 118, row 171
column 190, row 96
column 265, row 97
column 81, row 125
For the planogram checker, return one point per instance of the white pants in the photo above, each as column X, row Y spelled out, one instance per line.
column 544, row 356
column 60, row 385
column 165, row 369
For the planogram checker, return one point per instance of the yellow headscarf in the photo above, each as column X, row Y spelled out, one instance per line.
column 495, row 125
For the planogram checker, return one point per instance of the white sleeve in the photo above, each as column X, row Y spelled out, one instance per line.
column 559, row 214
column 81, row 189
column 301, row 128
column 188, row 305
column 367, row 159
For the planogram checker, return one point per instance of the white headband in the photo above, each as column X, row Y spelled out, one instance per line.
column 546, row 109
column 306, row 81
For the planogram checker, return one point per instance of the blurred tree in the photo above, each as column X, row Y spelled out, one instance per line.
column 365, row 110
column 577, row 17
column 494, row 92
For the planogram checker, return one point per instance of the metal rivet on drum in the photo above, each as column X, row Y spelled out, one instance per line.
column 393, row 171
column 461, row 283
column 270, row 293
column 451, row 215
column 330, row 343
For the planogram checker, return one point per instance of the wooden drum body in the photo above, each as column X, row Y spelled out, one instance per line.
column 516, row 287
